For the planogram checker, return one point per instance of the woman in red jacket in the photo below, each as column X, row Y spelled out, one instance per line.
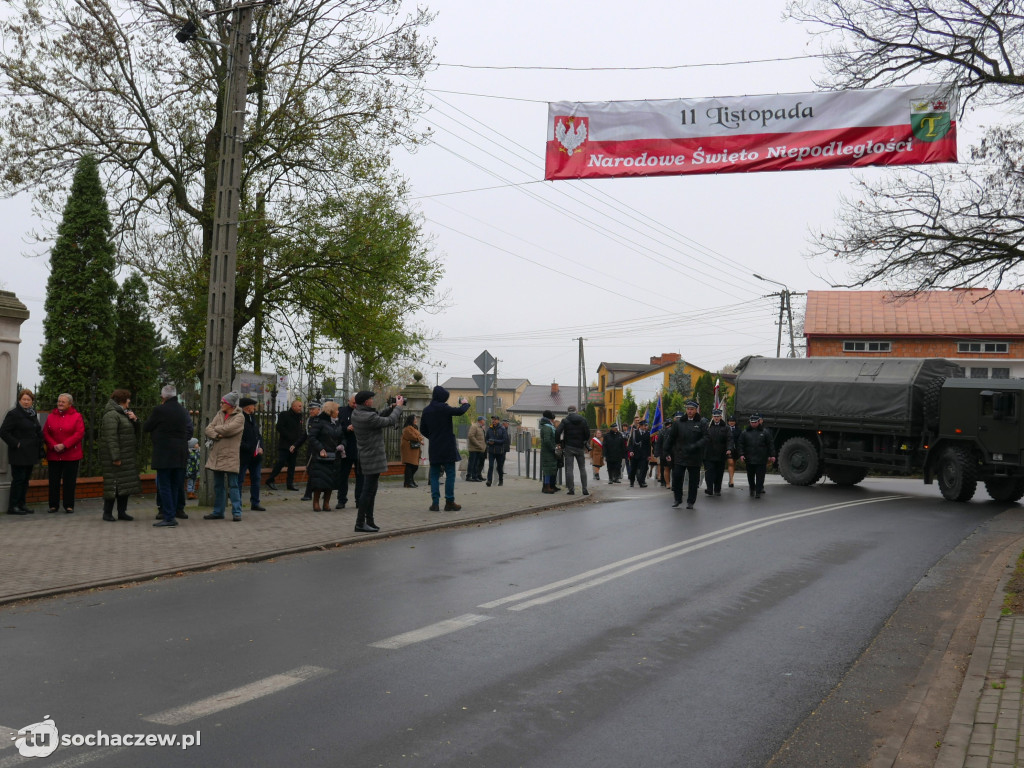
column 63, row 433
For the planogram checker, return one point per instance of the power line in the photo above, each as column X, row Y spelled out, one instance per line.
column 648, row 68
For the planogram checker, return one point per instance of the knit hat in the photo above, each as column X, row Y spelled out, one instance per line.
column 231, row 398
column 363, row 395
column 194, row 442
column 243, row 402
column 548, row 415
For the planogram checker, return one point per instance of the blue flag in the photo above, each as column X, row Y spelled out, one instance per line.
column 656, row 424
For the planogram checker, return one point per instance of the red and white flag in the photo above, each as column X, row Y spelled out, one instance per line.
column 911, row 125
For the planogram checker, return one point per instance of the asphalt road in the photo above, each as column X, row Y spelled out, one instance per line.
column 615, row 634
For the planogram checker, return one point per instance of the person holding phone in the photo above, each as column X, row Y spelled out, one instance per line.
column 369, row 427
column 443, row 451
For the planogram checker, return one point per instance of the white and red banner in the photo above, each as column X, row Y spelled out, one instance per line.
column 911, row 125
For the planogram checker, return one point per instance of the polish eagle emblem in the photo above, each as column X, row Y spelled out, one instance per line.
column 571, row 132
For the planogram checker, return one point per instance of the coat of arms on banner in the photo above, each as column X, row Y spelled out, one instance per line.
column 929, row 120
column 571, row 132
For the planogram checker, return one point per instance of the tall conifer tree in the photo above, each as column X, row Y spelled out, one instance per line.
column 79, row 327
column 135, row 353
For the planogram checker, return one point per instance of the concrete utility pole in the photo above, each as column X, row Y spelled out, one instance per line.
column 785, row 308
column 581, row 379
column 220, row 313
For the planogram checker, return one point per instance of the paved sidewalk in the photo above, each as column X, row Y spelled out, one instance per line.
column 987, row 725
column 46, row 554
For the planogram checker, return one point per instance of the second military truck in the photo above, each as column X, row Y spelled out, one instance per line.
column 844, row 417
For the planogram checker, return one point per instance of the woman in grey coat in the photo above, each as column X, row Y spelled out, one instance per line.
column 119, row 435
column 368, row 426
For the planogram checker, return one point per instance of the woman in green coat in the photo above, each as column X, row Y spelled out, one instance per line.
column 548, row 457
column 119, row 433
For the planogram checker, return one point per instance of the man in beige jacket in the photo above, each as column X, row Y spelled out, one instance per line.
column 477, row 451
column 225, row 437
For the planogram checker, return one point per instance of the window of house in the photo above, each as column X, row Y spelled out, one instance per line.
column 867, row 346
column 979, row 373
column 1000, row 373
column 992, row 347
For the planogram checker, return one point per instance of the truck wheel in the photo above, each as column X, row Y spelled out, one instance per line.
column 932, row 397
column 845, row 475
column 958, row 474
column 1005, row 488
column 798, row 462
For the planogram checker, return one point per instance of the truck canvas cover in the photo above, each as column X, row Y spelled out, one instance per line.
column 883, row 393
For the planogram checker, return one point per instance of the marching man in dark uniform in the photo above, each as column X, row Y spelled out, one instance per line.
column 638, row 448
column 684, row 447
column 720, row 448
column 614, row 453
column 757, row 448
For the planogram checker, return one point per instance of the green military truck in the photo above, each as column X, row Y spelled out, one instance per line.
column 843, row 417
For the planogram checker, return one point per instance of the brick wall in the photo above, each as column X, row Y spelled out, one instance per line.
column 913, row 347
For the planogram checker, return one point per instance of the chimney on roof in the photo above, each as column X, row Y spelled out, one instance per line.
column 668, row 357
column 554, row 388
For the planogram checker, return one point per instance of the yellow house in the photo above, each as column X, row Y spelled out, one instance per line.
column 645, row 381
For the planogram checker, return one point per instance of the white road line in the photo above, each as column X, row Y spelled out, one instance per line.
column 550, row 598
column 236, row 696
column 431, row 631
column 654, row 553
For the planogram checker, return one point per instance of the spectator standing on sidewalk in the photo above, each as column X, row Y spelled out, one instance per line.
column 412, row 449
column 119, row 437
column 574, row 437
column 24, row 438
column 192, row 468
column 170, row 428
column 290, row 437
column 351, row 458
column 476, row 442
column 63, row 433
column 369, row 427
column 314, row 411
column 443, row 451
column 327, row 446
column 225, row 433
column 497, row 441
column 548, row 452
column 250, row 453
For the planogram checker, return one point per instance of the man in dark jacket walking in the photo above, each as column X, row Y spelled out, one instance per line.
column 291, row 434
column 684, row 448
column 614, row 453
column 757, row 448
column 443, row 450
column 573, row 435
column 720, row 447
column 171, row 428
column 250, row 453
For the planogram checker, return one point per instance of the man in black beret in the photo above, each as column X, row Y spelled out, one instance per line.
column 250, row 453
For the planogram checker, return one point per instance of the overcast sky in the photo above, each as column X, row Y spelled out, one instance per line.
column 637, row 267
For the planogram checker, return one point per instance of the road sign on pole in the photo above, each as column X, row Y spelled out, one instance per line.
column 484, row 362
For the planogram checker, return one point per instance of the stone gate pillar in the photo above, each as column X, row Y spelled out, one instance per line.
column 12, row 314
